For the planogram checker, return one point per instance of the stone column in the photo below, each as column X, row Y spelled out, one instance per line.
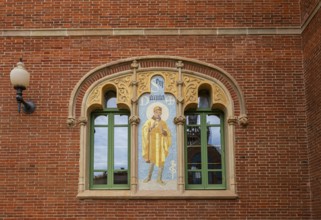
column 232, row 121
column 180, row 121
column 82, row 154
column 134, row 121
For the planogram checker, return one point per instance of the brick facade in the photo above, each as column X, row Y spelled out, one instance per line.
column 277, row 155
column 142, row 13
column 312, row 65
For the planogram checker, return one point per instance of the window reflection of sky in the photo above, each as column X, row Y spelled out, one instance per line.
column 215, row 137
column 121, row 119
column 121, row 148
column 111, row 101
column 212, row 119
column 100, row 148
column 120, row 143
column 101, row 120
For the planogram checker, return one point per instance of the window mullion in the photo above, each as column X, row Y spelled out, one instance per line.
column 223, row 150
column 92, row 128
column 204, row 150
column 110, row 149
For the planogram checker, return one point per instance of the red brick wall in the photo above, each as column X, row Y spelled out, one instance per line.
column 312, row 72
column 39, row 153
column 307, row 7
column 144, row 13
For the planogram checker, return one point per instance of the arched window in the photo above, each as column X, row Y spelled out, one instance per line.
column 204, row 146
column 191, row 139
column 109, row 146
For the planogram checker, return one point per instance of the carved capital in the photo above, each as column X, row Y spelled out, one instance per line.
column 71, row 122
column 179, row 64
column 134, row 64
column 180, row 83
column 180, row 100
column 134, row 100
column 134, row 83
column 135, row 120
column 180, row 120
column 232, row 120
column 82, row 121
column 243, row 120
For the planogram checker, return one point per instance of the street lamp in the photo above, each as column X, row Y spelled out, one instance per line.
column 19, row 78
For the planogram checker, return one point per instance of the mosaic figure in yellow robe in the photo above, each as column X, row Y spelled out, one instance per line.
column 156, row 143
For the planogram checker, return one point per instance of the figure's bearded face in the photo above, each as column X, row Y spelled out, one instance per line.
column 157, row 113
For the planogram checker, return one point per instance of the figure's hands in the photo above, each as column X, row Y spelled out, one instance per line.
column 164, row 132
column 151, row 128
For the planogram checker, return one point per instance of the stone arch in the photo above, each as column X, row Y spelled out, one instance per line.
column 116, row 71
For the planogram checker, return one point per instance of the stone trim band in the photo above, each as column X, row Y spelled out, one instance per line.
column 66, row 32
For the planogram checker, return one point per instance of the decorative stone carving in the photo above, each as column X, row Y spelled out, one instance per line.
column 144, row 81
column 243, row 120
column 123, row 85
column 179, row 83
column 144, row 85
column 134, row 83
column 95, row 96
column 219, row 95
column 170, row 79
column 71, row 122
column 134, row 100
column 180, row 100
column 82, row 121
column 179, row 64
column 191, row 89
column 134, row 64
column 232, row 120
column 180, row 120
column 135, row 120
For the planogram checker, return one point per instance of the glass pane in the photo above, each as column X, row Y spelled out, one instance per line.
column 121, row 119
column 194, row 158
column 100, row 148
column 193, row 136
column 121, row 177
column 214, row 137
column 121, row 148
column 214, row 158
column 111, row 101
column 213, row 119
column 193, row 120
column 203, row 99
column 100, row 178
column 101, row 120
column 194, row 177
column 194, row 166
column 215, row 177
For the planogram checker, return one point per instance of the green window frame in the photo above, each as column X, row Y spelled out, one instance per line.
column 108, row 148
column 204, row 150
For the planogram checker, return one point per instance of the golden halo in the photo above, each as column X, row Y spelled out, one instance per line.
column 150, row 110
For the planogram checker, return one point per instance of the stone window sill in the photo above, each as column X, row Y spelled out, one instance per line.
column 127, row 194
